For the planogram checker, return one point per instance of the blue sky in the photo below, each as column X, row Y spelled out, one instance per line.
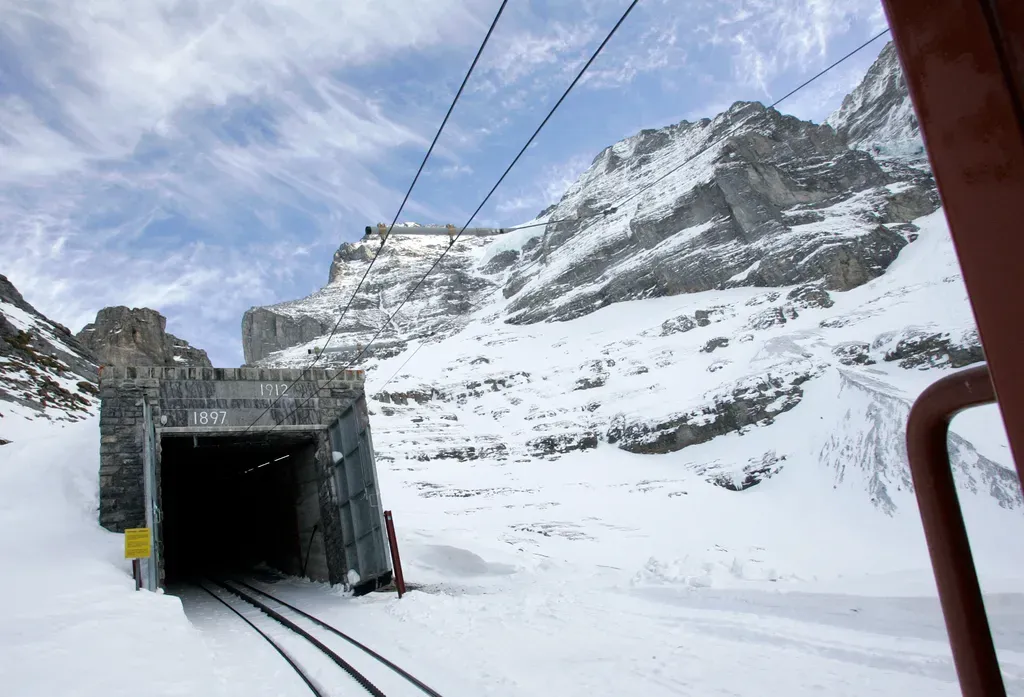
column 203, row 156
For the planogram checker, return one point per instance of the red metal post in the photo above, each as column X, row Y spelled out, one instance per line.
column 963, row 608
column 395, row 559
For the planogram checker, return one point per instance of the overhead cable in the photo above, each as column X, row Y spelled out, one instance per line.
column 490, row 193
column 408, row 192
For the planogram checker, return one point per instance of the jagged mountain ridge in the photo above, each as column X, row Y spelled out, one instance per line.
column 761, row 199
column 45, row 372
column 440, row 305
column 767, row 200
column 796, row 265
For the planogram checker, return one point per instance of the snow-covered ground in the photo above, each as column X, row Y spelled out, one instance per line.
column 590, row 572
column 562, row 616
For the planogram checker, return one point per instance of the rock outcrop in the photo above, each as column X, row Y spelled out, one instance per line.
column 878, row 115
column 137, row 336
column 441, row 303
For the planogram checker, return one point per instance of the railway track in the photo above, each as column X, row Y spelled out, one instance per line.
column 239, row 596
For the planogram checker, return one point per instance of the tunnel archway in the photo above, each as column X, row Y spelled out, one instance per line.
column 231, row 504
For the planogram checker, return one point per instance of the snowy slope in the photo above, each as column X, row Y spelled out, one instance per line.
column 565, row 611
column 766, row 258
column 45, row 373
column 827, row 383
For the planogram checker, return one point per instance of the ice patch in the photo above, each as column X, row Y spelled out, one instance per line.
column 456, row 561
column 513, row 241
column 704, row 573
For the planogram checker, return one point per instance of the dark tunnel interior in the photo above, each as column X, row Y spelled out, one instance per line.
column 232, row 504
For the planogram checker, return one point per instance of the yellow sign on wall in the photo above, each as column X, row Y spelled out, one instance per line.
column 136, row 543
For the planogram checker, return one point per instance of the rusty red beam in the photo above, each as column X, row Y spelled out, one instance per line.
column 395, row 559
column 963, row 61
column 963, row 608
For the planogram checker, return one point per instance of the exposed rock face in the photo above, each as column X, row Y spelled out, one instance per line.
column 265, row 331
column 442, row 302
column 878, row 115
column 916, row 349
column 42, row 366
column 766, row 200
column 562, row 443
column 742, row 477
column 755, row 402
column 137, row 337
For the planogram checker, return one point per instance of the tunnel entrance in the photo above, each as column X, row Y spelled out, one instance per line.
column 232, row 468
column 232, row 504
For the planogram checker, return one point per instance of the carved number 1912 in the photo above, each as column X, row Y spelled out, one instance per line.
column 272, row 390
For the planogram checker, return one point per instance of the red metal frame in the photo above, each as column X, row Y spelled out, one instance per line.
column 964, row 65
column 957, row 62
column 959, row 591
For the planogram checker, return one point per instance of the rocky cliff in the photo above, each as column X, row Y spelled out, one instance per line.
column 45, row 372
column 137, row 336
column 769, row 306
column 878, row 115
column 442, row 304
column 749, row 198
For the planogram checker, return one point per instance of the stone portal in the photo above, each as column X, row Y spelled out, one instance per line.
column 246, row 466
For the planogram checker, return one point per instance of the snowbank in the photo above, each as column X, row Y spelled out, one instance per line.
column 72, row 623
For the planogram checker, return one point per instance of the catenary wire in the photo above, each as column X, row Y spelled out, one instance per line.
column 455, row 239
column 408, row 192
column 387, row 382
column 612, row 209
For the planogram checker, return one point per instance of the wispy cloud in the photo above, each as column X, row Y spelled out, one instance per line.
column 519, row 56
column 142, row 142
column 656, row 49
column 200, row 158
column 768, row 37
column 452, row 171
column 544, row 188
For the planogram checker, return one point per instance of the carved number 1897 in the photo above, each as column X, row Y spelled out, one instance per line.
column 209, row 418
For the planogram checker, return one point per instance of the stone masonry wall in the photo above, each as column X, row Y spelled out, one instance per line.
column 177, row 395
column 122, row 493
